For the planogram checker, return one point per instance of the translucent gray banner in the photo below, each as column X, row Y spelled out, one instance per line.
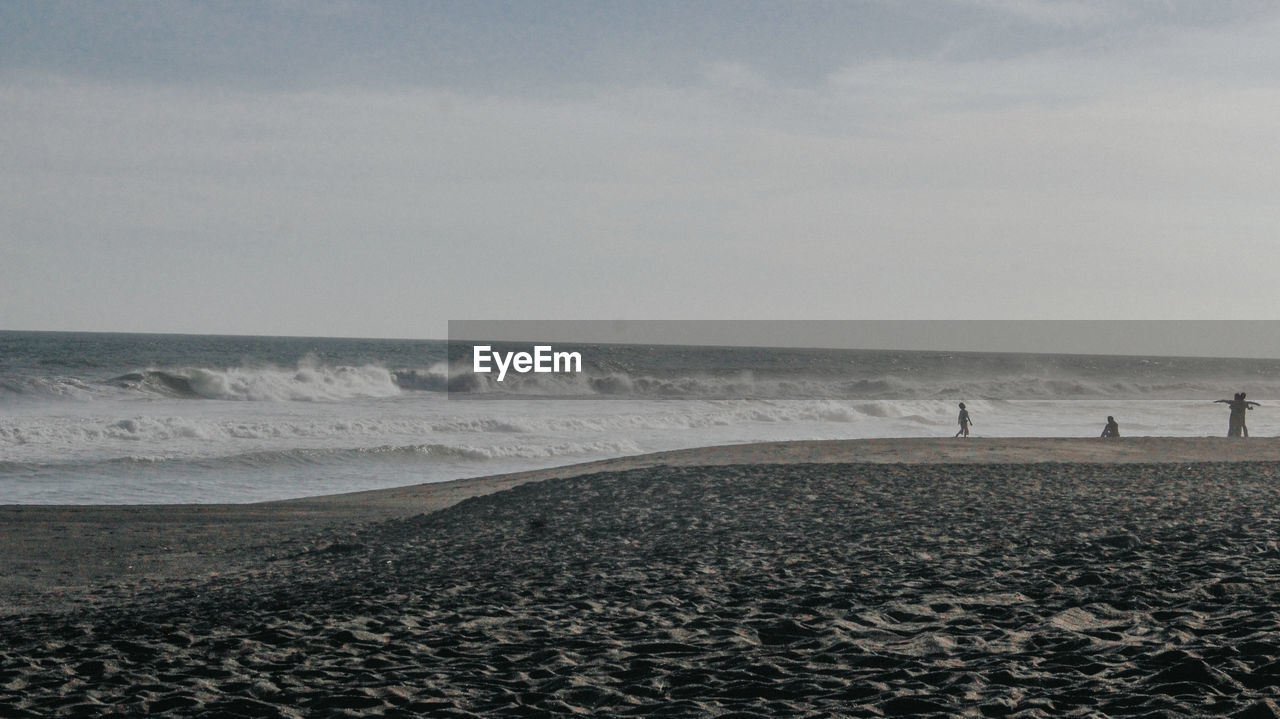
column 837, row 360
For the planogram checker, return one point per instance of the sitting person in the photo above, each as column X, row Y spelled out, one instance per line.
column 1112, row 429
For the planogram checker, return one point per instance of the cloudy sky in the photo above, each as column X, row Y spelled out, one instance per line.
column 376, row 169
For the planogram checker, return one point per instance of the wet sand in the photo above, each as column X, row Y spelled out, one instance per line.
column 994, row 577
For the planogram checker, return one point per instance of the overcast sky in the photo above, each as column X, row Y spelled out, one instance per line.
column 376, row 169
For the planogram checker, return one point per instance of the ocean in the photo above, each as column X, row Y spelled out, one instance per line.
column 89, row 418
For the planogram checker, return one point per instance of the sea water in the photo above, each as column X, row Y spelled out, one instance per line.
column 117, row 418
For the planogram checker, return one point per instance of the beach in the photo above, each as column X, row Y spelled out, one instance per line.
column 987, row 577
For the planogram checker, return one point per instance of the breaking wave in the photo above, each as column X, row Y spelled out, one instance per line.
column 747, row 385
column 312, row 381
column 305, row 383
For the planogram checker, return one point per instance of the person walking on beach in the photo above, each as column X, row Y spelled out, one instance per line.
column 964, row 422
column 1235, row 424
column 1112, row 429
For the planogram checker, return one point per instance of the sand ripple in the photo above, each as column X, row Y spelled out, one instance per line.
column 737, row 591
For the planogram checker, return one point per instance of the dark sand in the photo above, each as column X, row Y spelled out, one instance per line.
column 1033, row 578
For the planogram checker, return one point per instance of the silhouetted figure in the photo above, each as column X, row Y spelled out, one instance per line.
column 1112, row 429
column 965, row 422
column 1239, row 405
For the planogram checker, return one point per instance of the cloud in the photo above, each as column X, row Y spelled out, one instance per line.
column 1055, row 13
column 1073, row 180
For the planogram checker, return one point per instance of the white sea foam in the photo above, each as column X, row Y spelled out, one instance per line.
column 307, row 383
column 213, row 422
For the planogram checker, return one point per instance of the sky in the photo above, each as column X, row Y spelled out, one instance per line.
column 378, row 169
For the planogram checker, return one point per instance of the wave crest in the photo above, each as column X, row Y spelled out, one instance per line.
column 305, row 383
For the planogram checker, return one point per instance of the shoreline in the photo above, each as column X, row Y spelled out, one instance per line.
column 59, row 557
